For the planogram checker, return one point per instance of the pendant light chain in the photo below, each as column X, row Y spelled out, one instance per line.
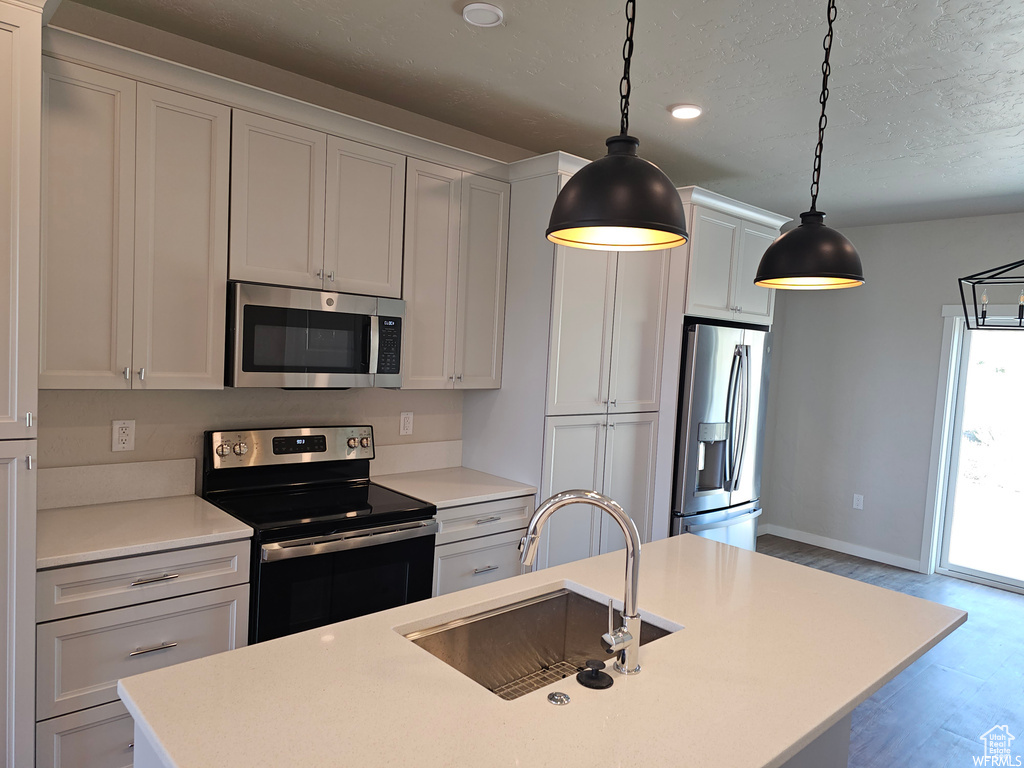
column 627, row 55
column 826, row 70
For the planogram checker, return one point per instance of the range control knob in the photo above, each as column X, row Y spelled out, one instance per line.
column 223, row 449
column 352, row 442
column 365, row 442
column 240, row 449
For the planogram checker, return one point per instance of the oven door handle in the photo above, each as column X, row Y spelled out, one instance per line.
column 338, row 542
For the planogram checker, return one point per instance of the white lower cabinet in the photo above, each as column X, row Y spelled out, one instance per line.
column 614, row 455
column 119, row 618
column 100, row 737
column 479, row 543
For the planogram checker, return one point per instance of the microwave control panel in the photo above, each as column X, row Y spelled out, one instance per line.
column 389, row 351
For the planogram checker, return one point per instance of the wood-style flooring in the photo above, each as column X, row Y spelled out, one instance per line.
column 931, row 715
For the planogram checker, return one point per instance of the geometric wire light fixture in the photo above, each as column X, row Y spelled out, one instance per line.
column 813, row 256
column 620, row 202
column 1006, row 282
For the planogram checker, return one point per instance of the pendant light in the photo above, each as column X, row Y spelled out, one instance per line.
column 620, row 202
column 813, row 256
column 1007, row 285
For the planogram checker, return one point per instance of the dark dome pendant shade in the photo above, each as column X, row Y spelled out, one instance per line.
column 813, row 257
column 620, row 202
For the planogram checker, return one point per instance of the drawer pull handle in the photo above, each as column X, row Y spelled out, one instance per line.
column 485, row 569
column 161, row 647
column 153, row 579
column 483, row 520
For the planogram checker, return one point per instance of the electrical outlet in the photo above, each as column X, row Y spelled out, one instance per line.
column 858, row 501
column 406, row 423
column 123, row 435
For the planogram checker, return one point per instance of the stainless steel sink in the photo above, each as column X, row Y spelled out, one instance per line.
column 522, row 647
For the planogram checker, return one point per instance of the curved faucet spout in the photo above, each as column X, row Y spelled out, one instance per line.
column 626, row 640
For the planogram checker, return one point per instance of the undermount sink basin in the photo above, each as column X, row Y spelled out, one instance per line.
column 522, row 647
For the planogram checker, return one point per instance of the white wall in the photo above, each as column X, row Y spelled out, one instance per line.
column 74, row 425
column 854, row 378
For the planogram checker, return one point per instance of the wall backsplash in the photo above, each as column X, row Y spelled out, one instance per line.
column 74, row 425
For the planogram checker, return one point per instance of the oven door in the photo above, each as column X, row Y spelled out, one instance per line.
column 289, row 337
column 306, row 583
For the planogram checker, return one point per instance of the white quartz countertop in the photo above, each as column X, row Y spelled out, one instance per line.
column 772, row 655
column 454, row 486
column 71, row 535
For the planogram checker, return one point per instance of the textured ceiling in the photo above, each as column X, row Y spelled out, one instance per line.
column 926, row 113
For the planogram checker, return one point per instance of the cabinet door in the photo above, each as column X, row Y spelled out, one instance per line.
column 100, row 737
column 430, row 275
column 753, row 303
column 17, row 563
column 573, row 459
column 714, row 242
column 181, row 241
column 365, row 203
column 638, row 331
column 88, row 216
column 277, row 202
column 483, row 260
column 469, row 563
column 581, row 331
column 629, row 474
column 19, row 221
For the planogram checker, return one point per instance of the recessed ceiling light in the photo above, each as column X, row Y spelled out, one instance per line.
column 482, row 15
column 685, row 111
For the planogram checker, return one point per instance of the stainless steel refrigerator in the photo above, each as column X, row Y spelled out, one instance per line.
column 720, row 434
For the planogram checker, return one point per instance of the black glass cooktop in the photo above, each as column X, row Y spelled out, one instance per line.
column 333, row 507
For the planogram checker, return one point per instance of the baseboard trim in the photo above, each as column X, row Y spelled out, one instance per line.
column 846, row 548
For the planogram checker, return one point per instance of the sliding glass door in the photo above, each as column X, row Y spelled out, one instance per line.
column 983, row 534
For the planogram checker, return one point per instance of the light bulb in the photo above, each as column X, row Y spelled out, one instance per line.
column 984, row 297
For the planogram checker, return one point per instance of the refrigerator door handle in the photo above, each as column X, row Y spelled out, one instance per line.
column 730, row 416
column 744, row 402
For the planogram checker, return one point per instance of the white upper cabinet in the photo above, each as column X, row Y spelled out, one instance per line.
column 181, row 241
column 483, row 259
column 278, row 193
column 314, row 211
column 456, row 257
column 727, row 240
column 581, row 331
column 431, row 275
column 134, row 251
column 365, row 200
column 638, row 331
column 19, row 222
column 88, row 228
column 607, row 334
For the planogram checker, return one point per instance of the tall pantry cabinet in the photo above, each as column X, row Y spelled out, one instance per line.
column 580, row 394
column 20, row 55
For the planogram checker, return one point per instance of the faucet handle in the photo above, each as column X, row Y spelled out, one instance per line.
column 611, row 617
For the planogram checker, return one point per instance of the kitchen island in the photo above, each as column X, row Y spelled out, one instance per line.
column 773, row 659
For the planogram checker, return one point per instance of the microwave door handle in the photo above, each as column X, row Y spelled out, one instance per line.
column 374, row 353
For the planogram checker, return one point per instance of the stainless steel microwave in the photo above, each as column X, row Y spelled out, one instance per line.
column 303, row 339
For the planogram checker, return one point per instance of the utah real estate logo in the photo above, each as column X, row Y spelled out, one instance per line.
column 997, row 741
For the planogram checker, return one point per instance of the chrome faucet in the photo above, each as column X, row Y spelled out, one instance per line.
column 624, row 641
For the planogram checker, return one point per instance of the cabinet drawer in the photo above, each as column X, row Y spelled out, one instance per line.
column 100, row 737
column 91, row 587
column 477, row 561
column 80, row 660
column 490, row 517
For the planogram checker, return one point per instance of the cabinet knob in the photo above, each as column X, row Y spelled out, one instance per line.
column 613, row 403
column 459, row 377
